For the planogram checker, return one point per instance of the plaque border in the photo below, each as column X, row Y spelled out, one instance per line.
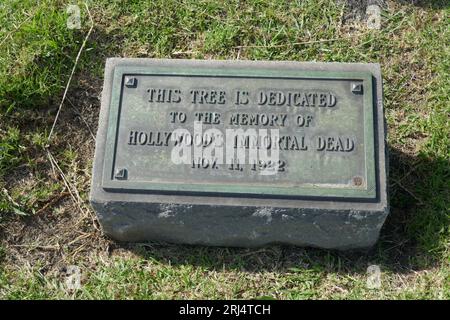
column 366, row 192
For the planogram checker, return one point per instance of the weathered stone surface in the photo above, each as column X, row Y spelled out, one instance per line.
column 328, row 188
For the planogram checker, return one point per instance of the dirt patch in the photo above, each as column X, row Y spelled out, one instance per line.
column 64, row 227
column 356, row 10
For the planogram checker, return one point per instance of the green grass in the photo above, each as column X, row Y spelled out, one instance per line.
column 36, row 56
column 42, row 232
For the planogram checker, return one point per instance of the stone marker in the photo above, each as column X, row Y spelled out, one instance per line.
column 236, row 153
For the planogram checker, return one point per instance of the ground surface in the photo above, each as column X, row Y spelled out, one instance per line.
column 47, row 226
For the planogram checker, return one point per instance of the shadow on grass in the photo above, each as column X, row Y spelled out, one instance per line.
column 412, row 237
column 427, row 4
